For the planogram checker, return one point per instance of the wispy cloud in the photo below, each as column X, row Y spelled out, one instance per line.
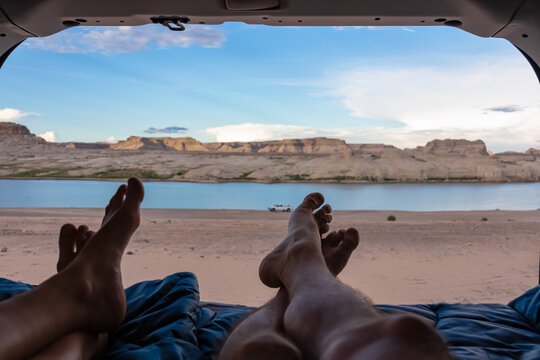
column 10, row 114
column 372, row 28
column 376, row 28
column 114, row 40
column 506, row 109
column 167, row 130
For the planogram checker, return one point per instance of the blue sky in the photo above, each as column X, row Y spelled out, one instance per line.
column 394, row 85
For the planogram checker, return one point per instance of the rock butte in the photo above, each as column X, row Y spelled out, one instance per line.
column 317, row 159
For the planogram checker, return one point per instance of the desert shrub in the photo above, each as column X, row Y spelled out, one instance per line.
column 127, row 173
column 391, row 218
column 297, row 177
column 245, row 176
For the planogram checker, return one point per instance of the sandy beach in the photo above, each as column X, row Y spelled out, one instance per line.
column 422, row 257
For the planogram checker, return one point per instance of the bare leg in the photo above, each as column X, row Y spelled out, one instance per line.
column 261, row 334
column 86, row 296
column 71, row 241
column 77, row 345
column 328, row 320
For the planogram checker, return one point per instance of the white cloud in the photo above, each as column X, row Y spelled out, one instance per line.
column 514, row 139
column 9, row 114
column 439, row 97
column 496, row 100
column 111, row 139
column 49, row 136
column 259, row 132
column 370, row 28
column 404, row 28
column 113, row 40
column 442, row 101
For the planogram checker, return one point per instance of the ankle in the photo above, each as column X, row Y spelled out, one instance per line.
column 303, row 258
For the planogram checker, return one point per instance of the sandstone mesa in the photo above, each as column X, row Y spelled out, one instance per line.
column 24, row 155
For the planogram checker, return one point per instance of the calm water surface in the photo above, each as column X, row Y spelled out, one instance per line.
column 254, row 196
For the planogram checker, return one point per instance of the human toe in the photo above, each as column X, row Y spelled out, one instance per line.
column 84, row 239
column 313, row 201
column 350, row 240
column 331, row 240
column 81, row 237
column 135, row 192
column 118, row 197
column 66, row 244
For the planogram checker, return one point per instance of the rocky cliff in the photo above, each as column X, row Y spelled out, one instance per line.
column 534, row 152
column 22, row 154
column 313, row 146
column 378, row 151
column 12, row 134
column 159, row 143
column 288, row 146
column 304, row 146
column 452, row 147
column 82, row 145
column 11, row 128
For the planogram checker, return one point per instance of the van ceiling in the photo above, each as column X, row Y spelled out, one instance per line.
column 518, row 21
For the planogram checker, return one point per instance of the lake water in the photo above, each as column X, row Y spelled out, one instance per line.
column 255, row 196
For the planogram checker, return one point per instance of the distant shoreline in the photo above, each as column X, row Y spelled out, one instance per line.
column 284, row 181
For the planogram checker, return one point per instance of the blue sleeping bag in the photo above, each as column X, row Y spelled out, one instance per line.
column 165, row 320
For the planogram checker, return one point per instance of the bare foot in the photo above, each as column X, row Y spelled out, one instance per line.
column 302, row 241
column 337, row 247
column 323, row 218
column 94, row 271
column 71, row 241
column 115, row 203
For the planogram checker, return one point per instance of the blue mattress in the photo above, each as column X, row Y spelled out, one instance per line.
column 166, row 320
